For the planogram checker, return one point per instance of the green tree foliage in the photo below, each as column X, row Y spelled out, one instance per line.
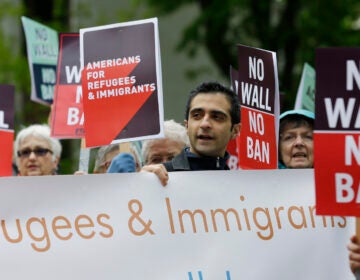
column 14, row 68
column 291, row 28
column 55, row 14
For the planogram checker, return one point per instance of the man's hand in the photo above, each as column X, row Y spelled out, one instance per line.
column 159, row 170
column 79, row 172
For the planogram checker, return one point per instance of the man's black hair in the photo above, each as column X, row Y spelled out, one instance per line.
column 212, row 88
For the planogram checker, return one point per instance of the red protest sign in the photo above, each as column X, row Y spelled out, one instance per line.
column 232, row 149
column 6, row 128
column 258, row 146
column 67, row 111
column 259, row 99
column 121, row 81
column 337, row 184
column 337, row 135
column 6, row 140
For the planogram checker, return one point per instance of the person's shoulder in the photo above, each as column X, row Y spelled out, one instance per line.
column 168, row 165
column 179, row 162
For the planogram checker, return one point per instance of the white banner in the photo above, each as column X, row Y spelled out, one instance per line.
column 202, row 226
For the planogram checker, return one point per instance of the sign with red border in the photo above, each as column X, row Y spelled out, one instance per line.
column 67, row 110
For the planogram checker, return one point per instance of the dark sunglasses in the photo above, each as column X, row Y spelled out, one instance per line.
column 39, row 152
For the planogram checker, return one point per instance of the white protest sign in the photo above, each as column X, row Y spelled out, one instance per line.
column 206, row 225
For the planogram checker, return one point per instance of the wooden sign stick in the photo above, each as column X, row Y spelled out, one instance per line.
column 84, row 157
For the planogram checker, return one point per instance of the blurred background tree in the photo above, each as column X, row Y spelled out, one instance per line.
column 15, row 69
column 55, row 14
column 291, row 28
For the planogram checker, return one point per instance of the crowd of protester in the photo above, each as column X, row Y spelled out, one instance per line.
column 203, row 135
column 212, row 119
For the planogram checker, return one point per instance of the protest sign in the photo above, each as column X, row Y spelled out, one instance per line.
column 253, row 225
column 259, row 99
column 67, row 111
column 121, row 82
column 6, row 128
column 305, row 97
column 232, row 149
column 42, row 45
column 337, row 135
column 234, row 144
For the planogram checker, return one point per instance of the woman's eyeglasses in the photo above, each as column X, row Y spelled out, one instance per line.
column 39, row 152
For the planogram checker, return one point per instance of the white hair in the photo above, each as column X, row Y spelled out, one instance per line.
column 173, row 131
column 41, row 131
column 102, row 152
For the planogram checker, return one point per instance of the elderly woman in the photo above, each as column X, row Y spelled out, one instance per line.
column 36, row 152
column 160, row 150
column 296, row 139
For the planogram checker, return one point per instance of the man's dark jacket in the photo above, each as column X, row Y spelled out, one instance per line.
column 187, row 161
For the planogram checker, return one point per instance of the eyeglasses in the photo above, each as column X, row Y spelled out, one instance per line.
column 39, row 152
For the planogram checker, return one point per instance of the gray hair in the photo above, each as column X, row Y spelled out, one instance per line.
column 102, row 152
column 41, row 131
column 173, row 131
